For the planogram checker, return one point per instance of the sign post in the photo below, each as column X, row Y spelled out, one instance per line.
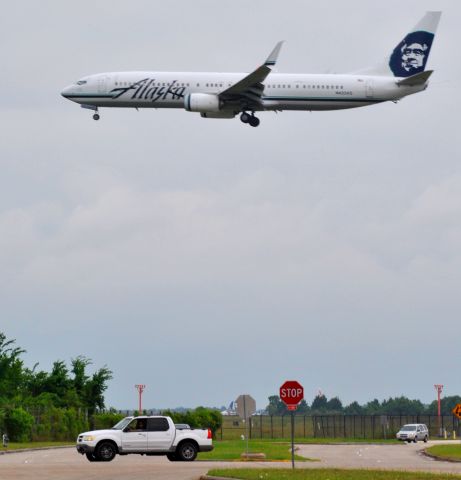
column 291, row 393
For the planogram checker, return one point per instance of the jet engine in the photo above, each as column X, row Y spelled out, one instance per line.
column 202, row 102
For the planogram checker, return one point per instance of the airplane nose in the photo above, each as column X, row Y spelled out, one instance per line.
column 66, row 91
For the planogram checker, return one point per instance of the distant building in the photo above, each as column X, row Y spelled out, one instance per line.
column 246, row 406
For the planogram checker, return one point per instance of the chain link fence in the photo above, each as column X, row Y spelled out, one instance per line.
column 333, row 426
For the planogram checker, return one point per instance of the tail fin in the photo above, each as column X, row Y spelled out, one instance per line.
column 410, row 56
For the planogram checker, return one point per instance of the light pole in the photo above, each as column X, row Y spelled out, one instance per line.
column 140, row 389
column 439, row 389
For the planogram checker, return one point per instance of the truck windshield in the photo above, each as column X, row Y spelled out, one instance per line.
column 122, row 424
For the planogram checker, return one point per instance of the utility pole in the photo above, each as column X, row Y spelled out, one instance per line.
column 140, row 389
column 439, row 389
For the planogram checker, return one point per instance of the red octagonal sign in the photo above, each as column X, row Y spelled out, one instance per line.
column 291, row 393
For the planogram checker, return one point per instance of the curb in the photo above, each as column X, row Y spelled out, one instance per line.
column 22, row 450
column 439, row 459
column 207, row 477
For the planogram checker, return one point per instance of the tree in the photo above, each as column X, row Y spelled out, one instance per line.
column 58, row 381
column 319, row 403
column 94, row 388
column 18, row 424
column 276, row 406
column 11, row 368
column 79, row 365
column 373, row 407
column 447, row 404
column 354, row 409
column 201, row 417
column 334, row 405
column 303, row 408
column 401, row 406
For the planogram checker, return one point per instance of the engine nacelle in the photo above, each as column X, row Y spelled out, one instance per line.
column 202, row 102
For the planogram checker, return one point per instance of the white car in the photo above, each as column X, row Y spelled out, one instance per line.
column 413, row 432
column 145, row 436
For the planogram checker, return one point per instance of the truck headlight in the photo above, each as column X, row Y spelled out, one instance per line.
column 88, row 438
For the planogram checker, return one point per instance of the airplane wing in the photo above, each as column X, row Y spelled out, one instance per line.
column 248, row 91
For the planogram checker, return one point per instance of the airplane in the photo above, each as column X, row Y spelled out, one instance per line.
column 226, row 95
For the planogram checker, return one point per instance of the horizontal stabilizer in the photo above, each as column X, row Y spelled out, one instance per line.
column 418, row 79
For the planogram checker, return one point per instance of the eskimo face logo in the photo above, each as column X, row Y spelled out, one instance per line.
column 410, row 55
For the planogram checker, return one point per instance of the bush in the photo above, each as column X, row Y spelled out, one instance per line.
column 106, row 420
column 18, row 424
column 201, row 417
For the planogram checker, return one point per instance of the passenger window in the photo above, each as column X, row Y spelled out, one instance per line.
column 137, row 425
column 157, row 425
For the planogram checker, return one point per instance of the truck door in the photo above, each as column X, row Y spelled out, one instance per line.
column 134, row 436
column 159, row 434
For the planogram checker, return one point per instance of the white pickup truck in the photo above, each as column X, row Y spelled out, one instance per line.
column 145, row 436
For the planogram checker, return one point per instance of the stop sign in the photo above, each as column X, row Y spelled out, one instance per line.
column 291, row 393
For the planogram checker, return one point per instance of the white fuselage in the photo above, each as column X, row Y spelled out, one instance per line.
column 281, row 91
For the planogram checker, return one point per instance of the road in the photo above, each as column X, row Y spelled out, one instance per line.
column 66, row 464
column 403, row 456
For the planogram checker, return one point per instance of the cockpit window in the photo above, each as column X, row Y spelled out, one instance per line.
column 81, row 82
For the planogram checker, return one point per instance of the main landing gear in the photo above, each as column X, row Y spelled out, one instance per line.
column 96, row 116
column 250, row 119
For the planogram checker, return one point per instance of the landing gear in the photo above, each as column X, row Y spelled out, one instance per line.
column 250, row 119
column 92, row 107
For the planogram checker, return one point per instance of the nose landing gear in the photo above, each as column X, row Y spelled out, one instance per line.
column 250, row 119
column 92, row 107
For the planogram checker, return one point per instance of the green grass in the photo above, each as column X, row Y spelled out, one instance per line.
column 446, row 452
column 19, row 446
column 232, row 450
column 326, row 474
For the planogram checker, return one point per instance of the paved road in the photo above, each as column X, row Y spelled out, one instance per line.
column 66, row 464
column 404, row 456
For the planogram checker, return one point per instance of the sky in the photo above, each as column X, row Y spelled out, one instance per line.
column 207, row 259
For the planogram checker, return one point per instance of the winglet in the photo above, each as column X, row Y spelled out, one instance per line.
column 272, row 58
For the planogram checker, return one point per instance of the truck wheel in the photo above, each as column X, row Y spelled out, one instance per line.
column 91, row 457
column 106, row 451
column 187, row 452
column 172, row 457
